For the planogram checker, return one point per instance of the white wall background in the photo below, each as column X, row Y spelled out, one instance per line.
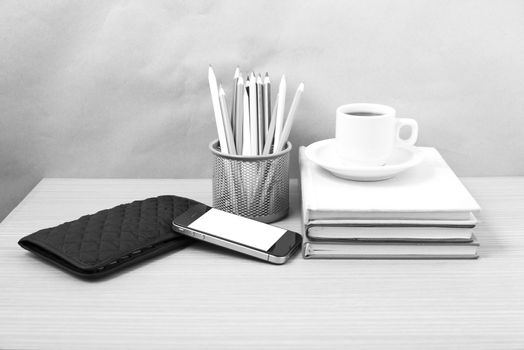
column 119, row 88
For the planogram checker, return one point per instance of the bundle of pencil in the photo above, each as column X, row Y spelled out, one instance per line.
column 251, row 127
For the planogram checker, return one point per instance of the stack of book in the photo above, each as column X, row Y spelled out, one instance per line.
column 425, row 212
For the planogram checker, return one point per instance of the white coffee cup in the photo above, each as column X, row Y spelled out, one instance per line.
column 367, row 133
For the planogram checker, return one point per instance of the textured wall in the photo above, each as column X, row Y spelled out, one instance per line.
column 119, row 89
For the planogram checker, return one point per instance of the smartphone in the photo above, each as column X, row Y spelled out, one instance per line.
column 262, row 241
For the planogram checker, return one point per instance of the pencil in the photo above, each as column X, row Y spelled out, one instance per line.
column 271, row 131
column 280, row 112
column 290, row 118
column 216, row 108
column 227, row 121
column 267, row 103
column 253, row 113
column 260, row 115
column 246, row 135
column 239, row 115
column 234, row 102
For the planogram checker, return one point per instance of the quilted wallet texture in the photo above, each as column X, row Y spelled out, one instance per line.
column 96, row 245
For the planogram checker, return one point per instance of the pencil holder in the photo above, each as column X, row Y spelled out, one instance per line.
column 256, row 187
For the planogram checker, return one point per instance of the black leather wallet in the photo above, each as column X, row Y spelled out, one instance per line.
column 96, row 245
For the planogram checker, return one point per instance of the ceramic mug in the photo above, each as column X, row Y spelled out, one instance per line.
column 367, row 133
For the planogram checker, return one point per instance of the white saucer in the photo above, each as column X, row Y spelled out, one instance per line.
column 324, row 154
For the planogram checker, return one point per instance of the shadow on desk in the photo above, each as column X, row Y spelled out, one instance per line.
column 204, row 248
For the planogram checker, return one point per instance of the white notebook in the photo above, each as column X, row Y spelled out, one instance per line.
column 429, row 192
column 392, row 234
column 464, row 223
column 360, row 250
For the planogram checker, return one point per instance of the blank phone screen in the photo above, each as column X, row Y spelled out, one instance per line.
column 238, row 229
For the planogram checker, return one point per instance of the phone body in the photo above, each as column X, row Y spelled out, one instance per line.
column 266, row 242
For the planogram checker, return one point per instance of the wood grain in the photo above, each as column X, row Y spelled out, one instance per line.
column 206, row 297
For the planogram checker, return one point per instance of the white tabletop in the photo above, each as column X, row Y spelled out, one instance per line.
column 206, row 297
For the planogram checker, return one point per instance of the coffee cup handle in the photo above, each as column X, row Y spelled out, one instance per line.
column 412, row 123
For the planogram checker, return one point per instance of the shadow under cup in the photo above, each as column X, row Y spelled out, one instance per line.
column 256, row 187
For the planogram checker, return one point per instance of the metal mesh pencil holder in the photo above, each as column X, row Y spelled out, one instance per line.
column 256, row 187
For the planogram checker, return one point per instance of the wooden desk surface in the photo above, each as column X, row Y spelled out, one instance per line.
column 206, row 297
